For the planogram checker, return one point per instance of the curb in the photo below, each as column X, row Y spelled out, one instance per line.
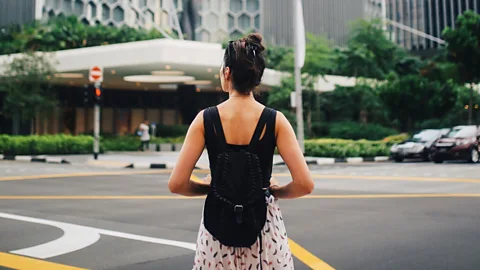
column 317, row 161
column 42, row 159
column 328, row 161
column 142, row 165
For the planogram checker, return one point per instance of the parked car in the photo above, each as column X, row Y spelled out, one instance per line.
column 419, row 146
column 461, row 143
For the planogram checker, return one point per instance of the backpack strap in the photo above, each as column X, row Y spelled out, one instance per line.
column 208, row 125
column 260, row 126
column 219, row 135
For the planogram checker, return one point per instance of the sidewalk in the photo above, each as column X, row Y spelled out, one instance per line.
column 167, row 160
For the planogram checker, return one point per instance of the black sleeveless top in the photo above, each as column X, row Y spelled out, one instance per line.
column 264, row 148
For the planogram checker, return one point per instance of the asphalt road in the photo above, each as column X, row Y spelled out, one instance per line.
column 365, row 216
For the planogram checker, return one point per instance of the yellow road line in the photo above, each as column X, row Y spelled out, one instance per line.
column 87, row 197
column 82, row 174
column 91, row 174
column 386, row 196
column 308, row 258
column 177, row 197
column 25, row 263
column 388, row 178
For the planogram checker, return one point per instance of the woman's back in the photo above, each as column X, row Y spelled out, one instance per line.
column 239, row 118
column 228, row 124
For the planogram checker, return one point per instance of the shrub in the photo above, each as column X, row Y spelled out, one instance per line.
column 396, row 138
column 339, row 148
column 121, row 143
column 46, row 144
column 357, row 131
column 163, row 131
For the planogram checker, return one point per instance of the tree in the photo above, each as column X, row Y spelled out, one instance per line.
column 319, row 57
column 27, row 85
column 279, row 98
column 64, row 33
column 412, row 99
column 369, row 53
column 463, row 44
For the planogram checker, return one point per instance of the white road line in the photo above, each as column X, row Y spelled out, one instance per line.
column 77, row 237
column 74, row 238
column 153, row 240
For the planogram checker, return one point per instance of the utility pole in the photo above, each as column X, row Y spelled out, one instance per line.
column 299, row 44
column 96, row 120
column 96, row 77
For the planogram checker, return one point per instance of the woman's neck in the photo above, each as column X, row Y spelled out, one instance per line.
column 237, row 95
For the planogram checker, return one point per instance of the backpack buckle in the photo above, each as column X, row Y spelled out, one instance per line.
column 238, row 209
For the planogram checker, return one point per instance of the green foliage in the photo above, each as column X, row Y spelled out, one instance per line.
column 67, row 33
column 120, row 143
column 463, row 46
column 67, row 144
column 398, row 138
column 336, row 148
column 279, row 98
column 369, row 53
column 464, row 50
column 275, row 56
column 410, row 99
column 359, row 103
column 46, row 144
column 357, row 131
column 27, row 86
column 319, row 57
column 163, row 131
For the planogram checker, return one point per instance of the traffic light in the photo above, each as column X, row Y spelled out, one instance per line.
column 97, row 94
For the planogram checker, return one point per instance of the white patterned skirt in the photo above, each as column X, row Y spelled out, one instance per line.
column 276, row 255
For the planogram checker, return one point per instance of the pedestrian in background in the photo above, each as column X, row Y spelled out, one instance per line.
column 144, row 130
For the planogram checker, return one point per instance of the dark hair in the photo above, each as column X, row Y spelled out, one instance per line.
column 246, row 61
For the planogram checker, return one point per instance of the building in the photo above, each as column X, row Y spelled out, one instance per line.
column 167, row 80
column 202, row 20
column 428, row 16
column 330, row 18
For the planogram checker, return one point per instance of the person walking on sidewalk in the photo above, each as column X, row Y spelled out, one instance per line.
column 144, row 129
column 242, row 226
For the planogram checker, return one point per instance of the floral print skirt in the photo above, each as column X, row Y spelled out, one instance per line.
column 276, row 255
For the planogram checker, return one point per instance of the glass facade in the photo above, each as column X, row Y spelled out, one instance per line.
column 428, row 16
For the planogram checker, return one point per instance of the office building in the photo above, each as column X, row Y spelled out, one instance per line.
column 428, row 16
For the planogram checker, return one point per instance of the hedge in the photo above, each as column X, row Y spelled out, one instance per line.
column 339, row 148
column 358, row 131
column 67, row 144
column 82, row 144
column 45, row 144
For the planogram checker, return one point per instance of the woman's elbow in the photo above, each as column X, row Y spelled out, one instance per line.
column 174, row 187
column 309, row 187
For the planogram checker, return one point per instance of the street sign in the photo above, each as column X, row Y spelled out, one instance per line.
column 96, row 74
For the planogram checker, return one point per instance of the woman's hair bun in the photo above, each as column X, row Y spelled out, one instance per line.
column 247, row 63
column 255, row 39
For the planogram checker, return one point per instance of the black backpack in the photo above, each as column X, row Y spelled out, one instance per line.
column 235, row 209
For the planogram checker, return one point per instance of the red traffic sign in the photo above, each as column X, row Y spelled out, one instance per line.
column 96, row 74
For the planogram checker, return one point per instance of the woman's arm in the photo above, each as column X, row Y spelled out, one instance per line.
column 192, row 149
column 291, row 153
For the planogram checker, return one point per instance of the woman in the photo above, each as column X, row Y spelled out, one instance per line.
column 238, row 119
